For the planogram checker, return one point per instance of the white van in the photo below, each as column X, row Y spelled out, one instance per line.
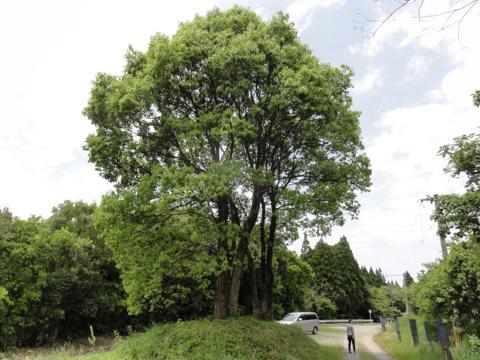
column 307, row 321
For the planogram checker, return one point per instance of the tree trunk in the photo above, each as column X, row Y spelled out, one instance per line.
column 242, row 249
column 220, row 305
column 237, row 274
column 269, row 275
column 263, row 263
column 222, row 280
column 253, row 290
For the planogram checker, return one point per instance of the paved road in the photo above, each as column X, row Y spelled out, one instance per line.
column 336, row 335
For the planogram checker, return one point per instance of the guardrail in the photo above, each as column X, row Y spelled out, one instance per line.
column 344, row 321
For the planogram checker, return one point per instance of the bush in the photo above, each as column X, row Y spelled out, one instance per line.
column 56, row 279
column 470, row 349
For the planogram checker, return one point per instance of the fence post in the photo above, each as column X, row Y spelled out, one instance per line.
column 414, row 331
column 438, row 333
column 447, row 355
column 397, row 329
column 383, row 323
column 426, row 326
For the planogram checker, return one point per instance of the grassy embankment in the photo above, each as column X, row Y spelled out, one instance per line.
column 405, row 350
column 244, row 338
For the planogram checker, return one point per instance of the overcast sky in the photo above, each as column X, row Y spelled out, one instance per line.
column 413, row 85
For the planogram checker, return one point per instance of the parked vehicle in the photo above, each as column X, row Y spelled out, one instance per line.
column 307, row 321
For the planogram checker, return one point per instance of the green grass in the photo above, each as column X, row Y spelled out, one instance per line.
column 405, row 350
column 244, row 338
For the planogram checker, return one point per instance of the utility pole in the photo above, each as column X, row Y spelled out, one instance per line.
column 405, row 285
column 441, row 230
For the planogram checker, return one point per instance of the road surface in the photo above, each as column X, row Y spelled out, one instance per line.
column 336, row 335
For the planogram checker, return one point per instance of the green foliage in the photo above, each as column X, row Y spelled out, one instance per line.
column 373, row 278
column 450, row 290
column 470, row 349
column 5, row 221
column 305, row 245
column 387, row 300
column 338, row 278
column 476, row 98
column 55, row 281
column 457, row 214
column 320, row 304
column 407, row 279
column 292, row 282
column 167, row 266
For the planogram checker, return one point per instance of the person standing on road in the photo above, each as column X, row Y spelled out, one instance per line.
column 350, row 336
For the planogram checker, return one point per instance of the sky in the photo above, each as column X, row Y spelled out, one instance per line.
column 412, row 83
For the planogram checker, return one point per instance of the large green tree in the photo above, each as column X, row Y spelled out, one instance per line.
column 235, row 121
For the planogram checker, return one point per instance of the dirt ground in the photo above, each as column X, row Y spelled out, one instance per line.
column 336, row 335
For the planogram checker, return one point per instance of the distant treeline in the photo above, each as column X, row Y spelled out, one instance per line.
column 58, row 277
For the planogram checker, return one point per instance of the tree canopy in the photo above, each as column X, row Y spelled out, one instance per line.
column 235, row 121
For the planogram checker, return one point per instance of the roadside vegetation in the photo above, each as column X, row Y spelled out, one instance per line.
column 405, row 350
column 469, row 349
column 245, row 338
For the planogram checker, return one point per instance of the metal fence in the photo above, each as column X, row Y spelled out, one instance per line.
column 344, row 321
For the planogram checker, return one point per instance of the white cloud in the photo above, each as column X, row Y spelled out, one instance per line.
column 51, row 54
column 370, row 81
column 440, row 33
column 416, row 68
column 301, row 11
column 406, row 166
